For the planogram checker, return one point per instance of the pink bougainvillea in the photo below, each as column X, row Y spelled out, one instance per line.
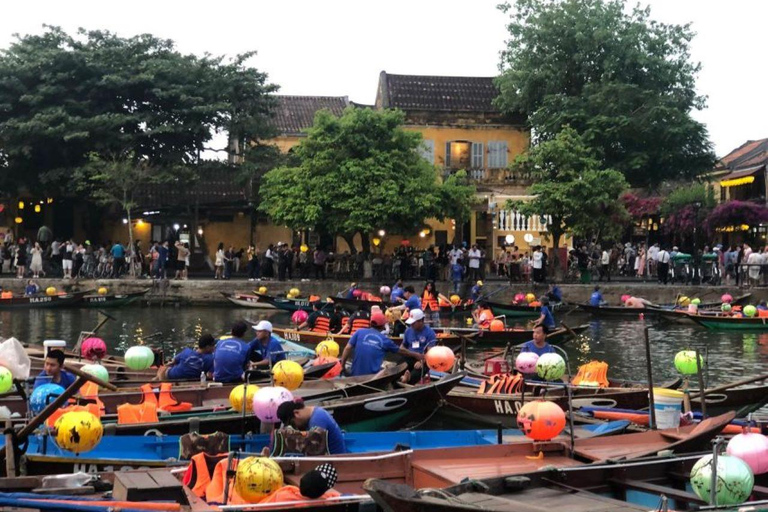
column 736, row 213
column 639, row 207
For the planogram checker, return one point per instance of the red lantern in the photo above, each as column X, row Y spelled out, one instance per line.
column 405, row 243
column 440, row 358
column 299, row 317
column 540, row 420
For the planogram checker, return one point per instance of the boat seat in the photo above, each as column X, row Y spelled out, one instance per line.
column 490, row 502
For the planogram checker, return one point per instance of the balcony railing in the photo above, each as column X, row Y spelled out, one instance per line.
column 494, row 176
column 512, row 220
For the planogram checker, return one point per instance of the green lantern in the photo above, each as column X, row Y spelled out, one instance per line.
column 725, row 307
column 139, row 357
column 750, row 311
column 97, row 371
column 6, row 379
column 696, row 301
column 685, row 362
column 734, row 480
column 550, row 366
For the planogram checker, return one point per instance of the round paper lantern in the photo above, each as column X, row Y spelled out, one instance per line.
column 541, row 420
column 78, row 431
column 526, row 362
column 520, row 297
column 327, row 348
column 304, row 248
column 257, row 478
column 139, row 357
column 357, row 293
column 734, row 480
column 750, row 311
column 752, row 449
column 625, row 298
column 50, row 291
column 696, row 301
column 93, row 348
column 550, row 366
column 97, row 371
column 295, row 292
column 44, row 395
column 530, row 298
column 263, row 290
column 334, row 371
column 385, row 290
column 236, row 396
column 497, row 325
column 288, row 374
column 267, row 400
column 455, row 300
column 6, row 379
column 102, row 291
column 725, row 307
column 684, row 301
column 440, row 358
column 299, row 317
column 685, row 362
column 727, row 298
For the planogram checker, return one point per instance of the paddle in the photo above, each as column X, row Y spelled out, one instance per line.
column 571, row 331
column 742, row 382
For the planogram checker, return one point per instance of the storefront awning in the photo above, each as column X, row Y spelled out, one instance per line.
column 741, row 177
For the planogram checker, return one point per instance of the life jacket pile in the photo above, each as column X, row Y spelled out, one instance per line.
column 592, row 374
column 429, row 301
column 501, row 384
column 291, row 442
column 146, row 411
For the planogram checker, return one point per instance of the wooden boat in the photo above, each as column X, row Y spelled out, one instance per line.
column 729, row 323
column 355, row 304
column 287, row 304
column 43, row 301
column 246, row 300
column 629, row 486
column 94, row 300
column 516, row 336
column 618, row 310
column 313, row 338
column 384, row 410
column 522, row 311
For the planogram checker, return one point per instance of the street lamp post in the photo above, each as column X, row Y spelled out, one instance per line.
column 696, row 208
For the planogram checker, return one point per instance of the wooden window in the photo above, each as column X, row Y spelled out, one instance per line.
column 497, row 154
column 477, row 155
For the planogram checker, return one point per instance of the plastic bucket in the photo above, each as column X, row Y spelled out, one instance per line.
column 54, row 344
column 667, row 404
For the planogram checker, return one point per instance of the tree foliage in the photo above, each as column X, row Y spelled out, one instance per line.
column 622, row 80
column 359, row 173
column 64, row 98
column 685, row 208
column 736, row 213
column 572, row 187
column 639, row 207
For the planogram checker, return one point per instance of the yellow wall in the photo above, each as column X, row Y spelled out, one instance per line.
column 285, row 142
column 517, row 139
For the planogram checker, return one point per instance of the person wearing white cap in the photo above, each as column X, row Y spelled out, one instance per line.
column 418, row 338
column 266, row 347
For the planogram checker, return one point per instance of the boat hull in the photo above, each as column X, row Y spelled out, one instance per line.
column 111, row 301
column 245, row 300
column 42, row 301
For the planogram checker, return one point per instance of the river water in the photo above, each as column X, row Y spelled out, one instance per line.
column 619, row 342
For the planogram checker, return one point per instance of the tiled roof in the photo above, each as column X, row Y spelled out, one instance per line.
column 750, row 154
column 295, row 114
column 218, row 188
column 437, row 93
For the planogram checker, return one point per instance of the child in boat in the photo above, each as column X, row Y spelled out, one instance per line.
column 190, row 363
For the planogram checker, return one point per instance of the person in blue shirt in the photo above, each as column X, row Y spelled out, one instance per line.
column 296, row 414
column 350, row 294
column 190, row 363
column 762, row 306
column 31, row 289
column 418, row 338
column 538, row 345
column 477, row 291
column 53, row 372
column 457, row 275
column 232, row 355
column 367, row 348
column 555, row 294
column 266, row 348
column 596, row 299
column 412, row 301
column 546, row 319
column 118, row 253
column 397, row 293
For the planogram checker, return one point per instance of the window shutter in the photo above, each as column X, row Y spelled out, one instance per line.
column 502, row 154
column 497, row 154
column 447, row 154
column 477, row 155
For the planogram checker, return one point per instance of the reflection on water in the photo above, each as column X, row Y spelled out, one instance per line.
column 619, row 342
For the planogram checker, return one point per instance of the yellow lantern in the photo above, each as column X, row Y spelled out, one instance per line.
column 304, row 248
column 102, row 291
column 37, row 208
column 236, row 396
column 21, row 205
column 288, row 374
column 376, row 241
column 18, row 220
column 78, row 431
column 257, row 478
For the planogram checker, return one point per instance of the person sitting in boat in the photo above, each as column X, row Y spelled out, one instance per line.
column 412, row 300
column 314, row 485
column 190, row 363
column 476, row 291
column 555, row 294
column 483, row 315
column 418, row 337
column 596, row 299
column 231, row 356
column 360, row 319
column 266, row 347
column 397, row 293
column 367, row 348
column 538, row 345
column 546, row 319
column 350, row 293
column 318, row 320
column 296, row 414
column 31, row 289
column 637, row 302
column 53, row 372
column 762, row 306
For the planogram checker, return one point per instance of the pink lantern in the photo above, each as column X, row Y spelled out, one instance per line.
column 520, row 298
column 385, row 290
column 357, row 293
column 727, row 298
column 526, row 362
column 625, row 298
column 299, row 317
column 752, row 449
column 267, row 400
column 93, row 349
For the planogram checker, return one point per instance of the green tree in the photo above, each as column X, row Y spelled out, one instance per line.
column 358, row 173
column 457, row 198
column 572, row 188
column 64, row 98
column 622, row 80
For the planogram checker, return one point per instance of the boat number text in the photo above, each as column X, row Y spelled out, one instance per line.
column 39, row 299
column 95, row 468
column 291, row 336
column 507, row 407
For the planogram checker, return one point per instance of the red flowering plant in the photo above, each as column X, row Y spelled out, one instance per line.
column 736, row 214
column 639, row 207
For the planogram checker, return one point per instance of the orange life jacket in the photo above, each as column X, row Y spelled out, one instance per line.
column 148, row 395
column 6, row 295
column 167, row 401
column 443, row 303
column 501, row 383
column 214, row 493
column 90, row 391
column 344, row 323
column 322, row 324
column 360, row 323
column 145, row 412
column 429, row 301
column 198, row 474
column 592, row 374
column 289, row 493
column 91, row 408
